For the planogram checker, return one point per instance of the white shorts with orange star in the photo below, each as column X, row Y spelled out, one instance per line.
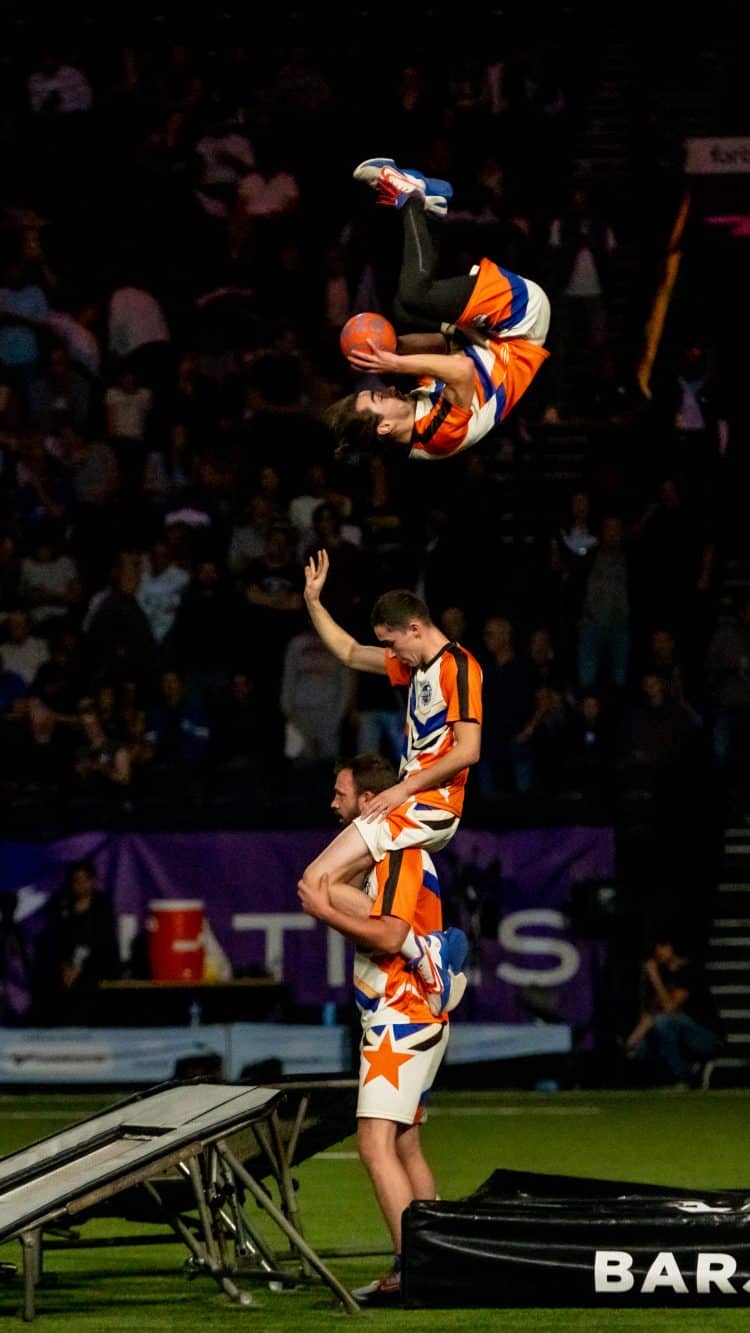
column 414, row 824
column 397, row 1068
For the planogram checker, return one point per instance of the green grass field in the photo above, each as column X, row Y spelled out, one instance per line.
column 696, row 1139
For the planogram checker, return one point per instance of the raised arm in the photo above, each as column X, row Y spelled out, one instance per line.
column 359, row 656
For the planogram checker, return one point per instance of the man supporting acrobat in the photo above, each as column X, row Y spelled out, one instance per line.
column 403, row 1042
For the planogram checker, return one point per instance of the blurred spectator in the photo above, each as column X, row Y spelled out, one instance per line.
column 118, row 637
column 244, row 734
column 728, row 676
column 95, row 484
column 60, row 396
column 49, row 586
column 79, row 949
column 177, row 731
column 137, row 332
column 508, row 698
column 562, row 582
column 193, row 408
column 575, row 538
column 658, row 736
column 208, row 636
column 690, row 409
column 300, row 89
column 679, row 1030
column 59, row 680
column 454, row 625
column 384, row 532
column 675, row 559
column 273, row 587
column 226, row 155
column 77, row 331
column 44, row 490
column 250, row 535
column 23, row 312
column 128, row 405
column 604, row 631
column 39, row 751
column 10, row 570
column 160, row 589
column 101, row 760
column 23, row 653
column 12, row 688
column 316, row 694
column 662, row 659
column 303, row 506
column 166, row 478
column 582, row 244
column 377, row 717
column 542, row 659
column 267, row 197
column 346, row 565
column 58, row 89
column 437, row 580
column 589, row 761
column 16, row 963
column 547, row 738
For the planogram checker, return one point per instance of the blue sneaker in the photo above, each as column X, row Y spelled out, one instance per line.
column 432, row 184
column 392, row 185
column 442, row 955
column 369, row 170
column 456, row 948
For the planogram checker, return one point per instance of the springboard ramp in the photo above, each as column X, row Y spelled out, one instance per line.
column 185, row 1128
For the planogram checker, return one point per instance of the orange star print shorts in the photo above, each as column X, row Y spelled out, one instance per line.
column 397, row 1068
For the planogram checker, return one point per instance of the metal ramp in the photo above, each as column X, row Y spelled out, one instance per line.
column 183, row 1128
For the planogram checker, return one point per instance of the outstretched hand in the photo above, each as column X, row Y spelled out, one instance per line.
column 316, row 573
column 377, row 359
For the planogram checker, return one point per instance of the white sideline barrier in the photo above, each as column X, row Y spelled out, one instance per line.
column 150, row 1055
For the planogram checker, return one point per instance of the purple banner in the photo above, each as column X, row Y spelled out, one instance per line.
column 510, row 891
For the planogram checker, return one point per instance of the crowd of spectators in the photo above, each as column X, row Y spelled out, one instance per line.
column 181, row 246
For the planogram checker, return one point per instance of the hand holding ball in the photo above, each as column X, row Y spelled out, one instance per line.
column 361, row 330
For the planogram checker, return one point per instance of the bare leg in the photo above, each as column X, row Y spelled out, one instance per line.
column 344, row 859
column 409, row 1149
column 376, row 1140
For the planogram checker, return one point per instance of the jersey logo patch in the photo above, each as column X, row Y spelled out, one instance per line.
column 425, row 694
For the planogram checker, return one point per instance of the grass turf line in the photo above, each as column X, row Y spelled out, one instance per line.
column 698, row 1139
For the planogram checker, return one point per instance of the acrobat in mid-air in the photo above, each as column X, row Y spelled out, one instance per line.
column 500, row 319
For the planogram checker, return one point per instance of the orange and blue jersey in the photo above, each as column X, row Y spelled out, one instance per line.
column 447, row 690
column 405, row 885
column 512, row 314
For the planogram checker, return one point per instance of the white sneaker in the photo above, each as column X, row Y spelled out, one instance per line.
column 442, row 955
column 394, row 186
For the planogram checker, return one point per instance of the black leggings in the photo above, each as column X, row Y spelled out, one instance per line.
column 422, row 301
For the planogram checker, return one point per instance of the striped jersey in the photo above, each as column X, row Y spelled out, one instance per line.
column 403, row 884
column 503, row 306
column 447, row 690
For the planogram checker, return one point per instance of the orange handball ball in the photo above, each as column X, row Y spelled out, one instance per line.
column 361, row 329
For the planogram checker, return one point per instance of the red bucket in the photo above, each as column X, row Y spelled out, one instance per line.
column 175, row 939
